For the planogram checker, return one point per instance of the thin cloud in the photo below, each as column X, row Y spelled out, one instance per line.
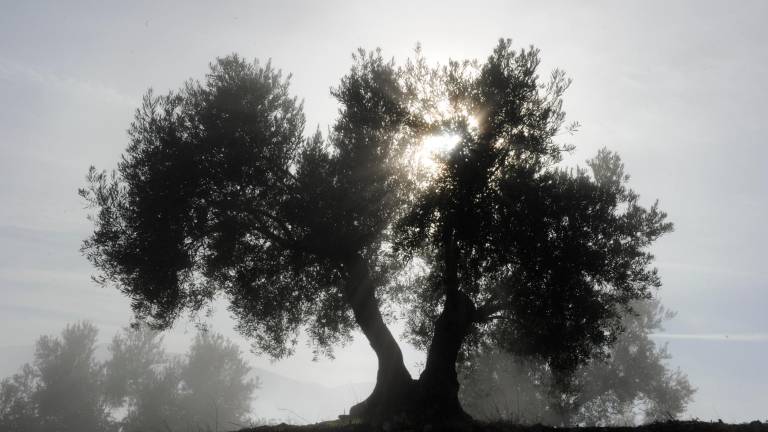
column 44, row 277
column 732, row 337
column 10, row 70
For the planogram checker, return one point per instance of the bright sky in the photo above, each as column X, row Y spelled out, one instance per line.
column 677, row 88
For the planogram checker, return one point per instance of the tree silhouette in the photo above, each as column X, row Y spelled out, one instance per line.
column 207, row 389
column 219, row 191
column 17, row 406
column 136, row 354
column 216, row 389
column 631, row 381
column 143, row 381
column 61, row 389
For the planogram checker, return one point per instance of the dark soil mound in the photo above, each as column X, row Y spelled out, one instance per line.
column 671, row 426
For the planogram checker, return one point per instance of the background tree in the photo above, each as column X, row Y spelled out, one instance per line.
column 632, row 382
column 144, row 381
column 66, row 389
column 206, row 389
column 61, row 390
column 220, row 192
column 635, row 381
column 216, row 391
column 17, row 406
column 135, row 354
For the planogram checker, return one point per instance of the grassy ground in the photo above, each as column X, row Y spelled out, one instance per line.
column 672, row 426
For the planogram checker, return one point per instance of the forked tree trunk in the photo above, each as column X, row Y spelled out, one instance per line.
column 396, row 396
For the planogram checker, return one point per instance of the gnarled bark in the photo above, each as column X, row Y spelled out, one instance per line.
column 393, row 381
column 438, row 383
column 434, row 396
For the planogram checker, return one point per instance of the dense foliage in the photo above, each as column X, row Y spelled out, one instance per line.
column 208, row 389
column 632, row 383
column 220, row 193
column 60, row 390
column 544, row 253
column 138, row 388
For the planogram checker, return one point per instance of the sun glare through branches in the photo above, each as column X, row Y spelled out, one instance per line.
column 432, row 148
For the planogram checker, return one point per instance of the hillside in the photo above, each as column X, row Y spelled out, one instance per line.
column 672, row 426
column 280, row 399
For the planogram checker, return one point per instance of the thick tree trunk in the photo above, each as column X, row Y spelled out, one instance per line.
column 433, row 398
column 438, row 383
column 393, row 381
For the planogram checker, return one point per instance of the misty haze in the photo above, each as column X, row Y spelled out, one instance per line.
column 354, row 216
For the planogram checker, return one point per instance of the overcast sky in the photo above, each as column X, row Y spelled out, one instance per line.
column 677, row 88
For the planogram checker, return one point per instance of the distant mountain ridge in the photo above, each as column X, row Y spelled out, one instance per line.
column 281, row 399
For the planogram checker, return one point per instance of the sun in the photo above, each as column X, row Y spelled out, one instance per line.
column 432, row 148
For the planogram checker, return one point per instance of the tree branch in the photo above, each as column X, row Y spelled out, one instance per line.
column 487, row 312
column 280, row 223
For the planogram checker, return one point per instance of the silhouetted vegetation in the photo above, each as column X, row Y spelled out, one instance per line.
column 207, row 389
column 668, row 426
column 630, row 384
column 60, row 390
column 139, row 388
column 490, row 242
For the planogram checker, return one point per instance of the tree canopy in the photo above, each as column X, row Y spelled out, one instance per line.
column 209, row 388
column 139, row 387
column 220, row 192
column 60, row 390
column 631, row 382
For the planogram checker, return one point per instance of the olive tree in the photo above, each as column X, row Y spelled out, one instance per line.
column 631, row 382
column 208, row 388
column 221, row 192
column 61, row 389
